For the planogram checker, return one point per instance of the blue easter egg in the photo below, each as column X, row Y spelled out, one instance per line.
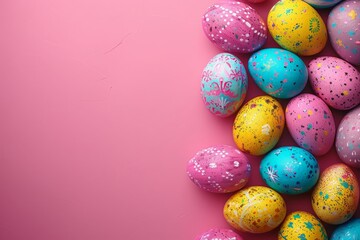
column 278, row 72
column 322, row 3
column 347, row 231
column 224, row 84
column 290, row 170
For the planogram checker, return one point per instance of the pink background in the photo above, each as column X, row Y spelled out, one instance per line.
column 99, row 113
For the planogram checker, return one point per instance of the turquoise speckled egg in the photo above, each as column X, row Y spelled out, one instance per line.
column 278, row 72
column 322, row 3
column 347, row 231
column 290, row 170
column 224, row 84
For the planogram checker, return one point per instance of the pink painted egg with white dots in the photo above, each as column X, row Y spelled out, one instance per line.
column 311, row 123
column 219, row 169
column 234, row 27
column 219, row 234
column 335, row 81
column 348, row 138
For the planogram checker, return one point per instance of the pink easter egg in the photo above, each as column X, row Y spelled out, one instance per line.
column 219, row 234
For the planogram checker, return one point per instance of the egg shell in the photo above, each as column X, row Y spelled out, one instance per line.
column 219, row 234
column 278, row 72
column 336, row 196
column 347, row 231
column 255, row 209
column 344, row 30
column 322, row 3
column 311, row 123
column 302, row 225
column 348, row 138
column 290, row 170
column 335, row 81
column 258, row 125
column 224, row 84
column 297, row 27
column 219, row 169
column 234, row 27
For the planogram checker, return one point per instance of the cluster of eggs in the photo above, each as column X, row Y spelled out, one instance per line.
column 280, row 73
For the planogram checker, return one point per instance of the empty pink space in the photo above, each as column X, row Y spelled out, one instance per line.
column 100, row 111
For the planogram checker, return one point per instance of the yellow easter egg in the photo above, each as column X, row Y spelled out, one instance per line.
column 302, row 225
column 336, row 196
column 297, row 27
column 259, row 125
column 255, row 209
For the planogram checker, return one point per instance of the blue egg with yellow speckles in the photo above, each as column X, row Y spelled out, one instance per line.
column 290, row 170
column 278, row 72
column 347, row 231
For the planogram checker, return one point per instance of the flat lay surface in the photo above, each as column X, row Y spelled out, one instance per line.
column 100, row 112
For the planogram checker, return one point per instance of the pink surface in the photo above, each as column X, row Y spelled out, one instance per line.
column 101, row 111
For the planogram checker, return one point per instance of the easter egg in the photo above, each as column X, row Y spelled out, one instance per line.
column 234, row 27
column 336, row 195
column 219, row 169
column 344, row 30
column 219, row 234
column 255, row 209
column 310, row 123
column 297, row 27
column 258, row 125
column 224, row 84
column 347, row 231
column 335, row 81
column 289, row 170
column 278, row 72
column 348, row 138
column 302, row 225
column 322, row 3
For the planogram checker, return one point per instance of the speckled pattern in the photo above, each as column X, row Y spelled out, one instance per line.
column 278, row 72
column 335, row 81
column 224, row 84
column 219, row 234
column 219, row 169
column 348, row 138
column 344, row 30
column 234, row 27
column 348, row 231
column 258, row 125
column 301, row 225
column 297, row 27
column 256, row 209
column 336, row 196
column 322, row 3
column 311, row 123
column 290, row 170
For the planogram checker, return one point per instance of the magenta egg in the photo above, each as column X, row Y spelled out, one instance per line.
column 234, row 27
column 348, row 138
column 219, row 234
column 219, row 169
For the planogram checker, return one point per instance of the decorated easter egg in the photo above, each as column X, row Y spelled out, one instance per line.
column 297, row 27
column 234, row 27
column 302, row 225
column 255, row 209
column 219, row 234
column 224, row 84
column 255, row 1
column 258, row 125
column 322, row 3
column 344, row 30
column 347, row 231
column 335, row 81
column 336, row 196
column 290, row 170
column 348, row 138
column 310, row 123
column 219, row 169
column 278, row 72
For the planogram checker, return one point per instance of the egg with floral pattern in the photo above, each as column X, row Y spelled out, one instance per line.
column 219, row 234
column 224, row 85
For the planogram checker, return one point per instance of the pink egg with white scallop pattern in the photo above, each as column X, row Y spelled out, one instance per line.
column 219, row 234
column 234, row 27
column 219, row 169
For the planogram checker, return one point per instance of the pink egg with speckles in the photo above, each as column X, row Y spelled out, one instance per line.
column 219, row 169
column 219, row 234
column 335, row 81
column 348, row 138
column 311, row 123
column 234, row 27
